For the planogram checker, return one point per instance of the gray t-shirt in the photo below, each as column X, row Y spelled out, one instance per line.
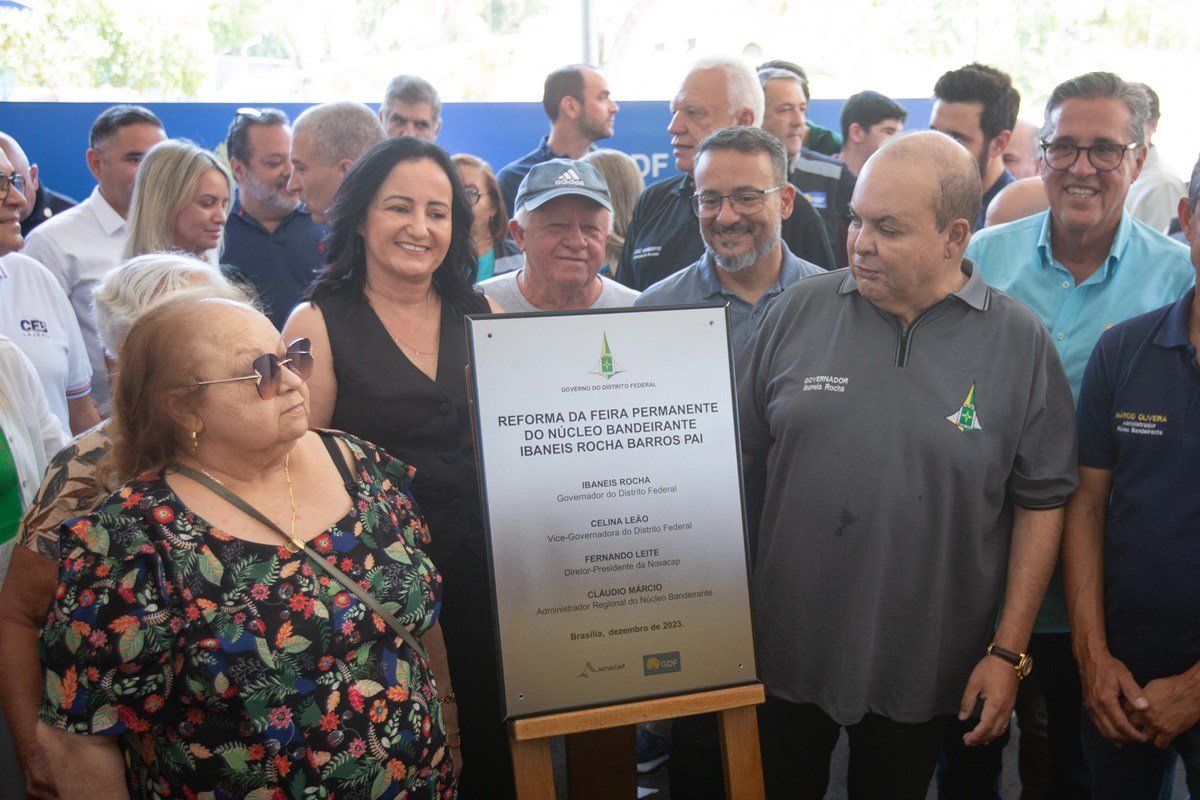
column 507, row 294
column 893, row 459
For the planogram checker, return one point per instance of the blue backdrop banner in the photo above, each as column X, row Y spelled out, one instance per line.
column 54, row 135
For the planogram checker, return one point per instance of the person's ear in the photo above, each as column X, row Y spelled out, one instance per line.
column 787, row 200
column 93, row 162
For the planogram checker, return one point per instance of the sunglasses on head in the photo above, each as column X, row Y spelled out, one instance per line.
column 268, row 369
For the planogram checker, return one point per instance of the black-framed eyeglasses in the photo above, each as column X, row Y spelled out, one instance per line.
column 14, row 181
column 268, row 369
column 473, row 195
column 744, row 202
column 1104, row 157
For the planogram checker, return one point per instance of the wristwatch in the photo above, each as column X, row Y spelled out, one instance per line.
column 1022, row 662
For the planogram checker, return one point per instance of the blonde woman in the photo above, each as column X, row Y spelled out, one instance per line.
column 181, row 200
column 625, row 183
column 489, row 232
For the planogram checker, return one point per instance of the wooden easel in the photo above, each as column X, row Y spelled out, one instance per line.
column 601, row 741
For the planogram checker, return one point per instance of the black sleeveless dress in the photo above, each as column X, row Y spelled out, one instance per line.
column 384, row 398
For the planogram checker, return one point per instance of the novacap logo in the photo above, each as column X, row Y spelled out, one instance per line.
column 661, row 663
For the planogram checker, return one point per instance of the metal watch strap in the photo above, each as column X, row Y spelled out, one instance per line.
column 362, row 594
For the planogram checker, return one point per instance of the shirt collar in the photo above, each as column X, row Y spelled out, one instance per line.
column 974, row 292
column 1115, row 252
column 1174, row 331
column 110, row 221
column 710, row 283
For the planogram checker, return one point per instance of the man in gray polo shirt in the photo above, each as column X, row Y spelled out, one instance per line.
column 918, row 432
column 742, row 197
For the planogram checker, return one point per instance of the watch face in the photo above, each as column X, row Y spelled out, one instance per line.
column 1025, row 667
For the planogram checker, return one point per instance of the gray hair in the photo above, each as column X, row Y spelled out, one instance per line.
column 166, row 182
column 342, row 130
column 1103, row 86
column 413, row 89
column 741, row 84
column 775, row 74
column 751, row 141
column 137, row 284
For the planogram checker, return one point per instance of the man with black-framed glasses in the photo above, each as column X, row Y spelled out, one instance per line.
column 1083, row 266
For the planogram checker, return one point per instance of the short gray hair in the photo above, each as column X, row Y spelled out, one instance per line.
column 741, row 84
column 138, row 283
column 342, row 130
column 413, row 89
column 777, row 74
column 749, row 140
column 1103, row 86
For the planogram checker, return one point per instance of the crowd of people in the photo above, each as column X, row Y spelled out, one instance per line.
column 969, row 403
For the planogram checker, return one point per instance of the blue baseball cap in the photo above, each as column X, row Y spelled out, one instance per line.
column 559, row 177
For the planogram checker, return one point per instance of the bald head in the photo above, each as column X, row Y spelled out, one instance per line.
column 959, row 192
column 20, row 164
column 1018, row 200
column 1020, row 155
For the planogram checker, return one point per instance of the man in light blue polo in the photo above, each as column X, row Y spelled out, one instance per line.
column 1083, row 266
column 742, row 197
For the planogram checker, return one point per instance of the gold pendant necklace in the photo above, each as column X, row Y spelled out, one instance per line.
column 294, row 545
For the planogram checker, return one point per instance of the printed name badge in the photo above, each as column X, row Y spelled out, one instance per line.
column 818, row 199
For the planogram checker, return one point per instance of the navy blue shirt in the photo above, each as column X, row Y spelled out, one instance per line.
column 511, row 176
column 279, row 265
column 828, row 184
column 664, row 234
column 1005, row 179
column 1139, row 416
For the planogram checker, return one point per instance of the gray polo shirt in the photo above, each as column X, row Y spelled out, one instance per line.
column 893, row 460
column 699, row 283
column 505, row 290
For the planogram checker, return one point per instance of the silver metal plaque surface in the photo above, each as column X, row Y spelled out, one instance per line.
column 612, row 495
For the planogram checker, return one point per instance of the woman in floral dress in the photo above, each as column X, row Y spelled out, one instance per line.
column 191, row 652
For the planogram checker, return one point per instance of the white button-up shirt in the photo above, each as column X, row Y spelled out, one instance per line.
column 79, row 247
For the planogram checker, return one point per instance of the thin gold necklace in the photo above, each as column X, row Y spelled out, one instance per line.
column 287, row 473
column 400, row 342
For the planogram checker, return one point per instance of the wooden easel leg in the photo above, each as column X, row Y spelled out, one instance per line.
column 532, row 769
column 741, row 754
column 600, row 764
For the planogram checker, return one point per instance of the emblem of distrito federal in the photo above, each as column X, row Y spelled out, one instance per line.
column 965, row 419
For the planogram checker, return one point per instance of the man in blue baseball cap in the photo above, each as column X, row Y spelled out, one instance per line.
column 562, row 220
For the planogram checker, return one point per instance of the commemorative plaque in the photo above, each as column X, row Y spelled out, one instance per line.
column 612, row 498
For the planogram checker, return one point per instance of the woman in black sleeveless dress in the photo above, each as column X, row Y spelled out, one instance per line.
column 386, row 324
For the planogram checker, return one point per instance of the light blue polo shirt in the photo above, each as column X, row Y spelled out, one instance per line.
column 1144, row 271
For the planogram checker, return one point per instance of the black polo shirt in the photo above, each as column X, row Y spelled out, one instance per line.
column 280, row 265
column 828, row 184
column 664, row 234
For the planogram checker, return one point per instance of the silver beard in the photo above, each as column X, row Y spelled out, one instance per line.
column 738, row 263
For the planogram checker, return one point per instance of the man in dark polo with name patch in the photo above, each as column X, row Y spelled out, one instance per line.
column 1131, row 555
column 919, row 442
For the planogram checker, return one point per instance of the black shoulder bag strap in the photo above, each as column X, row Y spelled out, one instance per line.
column 295, row 545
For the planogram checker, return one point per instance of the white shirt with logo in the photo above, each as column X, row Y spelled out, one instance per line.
column 36, row 315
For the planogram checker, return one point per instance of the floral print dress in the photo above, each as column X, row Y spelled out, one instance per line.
column 232, row 669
